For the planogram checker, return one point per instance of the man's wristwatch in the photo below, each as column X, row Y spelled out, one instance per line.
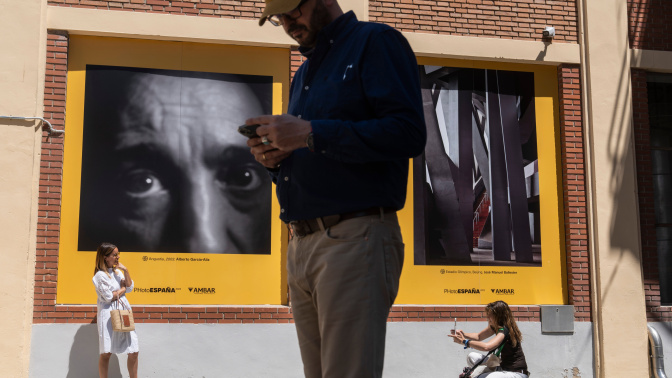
column 309, row 142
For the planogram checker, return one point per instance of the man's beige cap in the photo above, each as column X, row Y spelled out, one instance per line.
column 277, row 7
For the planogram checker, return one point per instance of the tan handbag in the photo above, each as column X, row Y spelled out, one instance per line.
column 493, row 362
column 122, row 319
column 489, row 366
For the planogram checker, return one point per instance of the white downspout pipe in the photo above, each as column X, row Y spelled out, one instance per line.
column 656, row 345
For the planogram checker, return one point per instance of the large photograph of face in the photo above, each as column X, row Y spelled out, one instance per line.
column 477, row 184
column 163, row 166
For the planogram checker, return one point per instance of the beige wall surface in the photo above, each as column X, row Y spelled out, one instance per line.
column 360, row 7
column 247, row 32
column 651, row 60
column 21, row 83
column 619, row 291
column 111, row 23
column 493, row 49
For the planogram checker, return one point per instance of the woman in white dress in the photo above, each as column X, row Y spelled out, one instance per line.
column 113, row 281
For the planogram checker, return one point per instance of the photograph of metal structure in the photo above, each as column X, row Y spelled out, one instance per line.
column 477, row 184
column 163, row 166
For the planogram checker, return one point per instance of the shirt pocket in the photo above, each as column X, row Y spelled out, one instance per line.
column 342, row 96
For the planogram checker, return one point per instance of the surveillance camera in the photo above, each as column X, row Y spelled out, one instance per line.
column 549, row 32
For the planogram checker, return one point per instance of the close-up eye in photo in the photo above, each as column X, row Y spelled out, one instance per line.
column 141, row 183
column 243, row 179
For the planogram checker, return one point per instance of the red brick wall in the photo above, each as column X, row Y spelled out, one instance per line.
column 462, row 313
column 206, row 8
column 573, row 178
column 509, row 19
column 49, row 197
column 647, row 216
column 650, row 24
column 45, row 310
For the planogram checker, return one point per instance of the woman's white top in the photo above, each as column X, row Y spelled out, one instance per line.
column 109, row 341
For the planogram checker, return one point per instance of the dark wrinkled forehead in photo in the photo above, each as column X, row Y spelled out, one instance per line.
column 111, row 90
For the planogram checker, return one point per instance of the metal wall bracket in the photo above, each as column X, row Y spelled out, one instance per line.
column 51, row 130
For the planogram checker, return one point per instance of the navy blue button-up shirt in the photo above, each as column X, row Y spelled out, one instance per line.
column 360, row 89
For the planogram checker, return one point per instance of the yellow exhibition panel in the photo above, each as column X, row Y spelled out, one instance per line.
column 176, row 80
column 542, row 282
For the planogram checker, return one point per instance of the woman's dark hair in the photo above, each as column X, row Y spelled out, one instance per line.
column 503, row 317
column 104, row 250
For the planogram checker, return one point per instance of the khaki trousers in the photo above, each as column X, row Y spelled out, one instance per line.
column 342, row 282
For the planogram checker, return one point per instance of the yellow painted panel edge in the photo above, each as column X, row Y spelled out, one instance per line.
column 426, row 284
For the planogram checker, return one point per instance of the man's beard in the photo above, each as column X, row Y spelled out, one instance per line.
column 319, row 19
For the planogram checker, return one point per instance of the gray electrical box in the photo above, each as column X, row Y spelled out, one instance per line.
column 557, row 319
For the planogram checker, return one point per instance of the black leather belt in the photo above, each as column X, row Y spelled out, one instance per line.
column 302, row 228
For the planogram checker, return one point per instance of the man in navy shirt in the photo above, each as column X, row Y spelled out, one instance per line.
column 340, row 160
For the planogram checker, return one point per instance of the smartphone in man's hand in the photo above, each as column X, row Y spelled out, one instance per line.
column 249, row 131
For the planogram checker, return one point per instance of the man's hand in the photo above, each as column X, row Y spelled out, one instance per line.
column 284, row 132
column 267, row 155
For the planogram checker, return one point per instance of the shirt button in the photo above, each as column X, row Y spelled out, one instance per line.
column 299, row 116
column 286, row 178
column 282, row 210
column 331, row 41
column 306, row 87
column 324, row 152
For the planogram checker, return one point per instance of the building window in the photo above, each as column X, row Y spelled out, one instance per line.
column 659, row 88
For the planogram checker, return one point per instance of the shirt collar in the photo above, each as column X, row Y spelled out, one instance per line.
column 336, row 28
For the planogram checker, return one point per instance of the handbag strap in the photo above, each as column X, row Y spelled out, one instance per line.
column 471, row 369
column 123, row 304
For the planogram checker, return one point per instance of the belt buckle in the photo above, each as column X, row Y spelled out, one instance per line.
column 303, row 228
